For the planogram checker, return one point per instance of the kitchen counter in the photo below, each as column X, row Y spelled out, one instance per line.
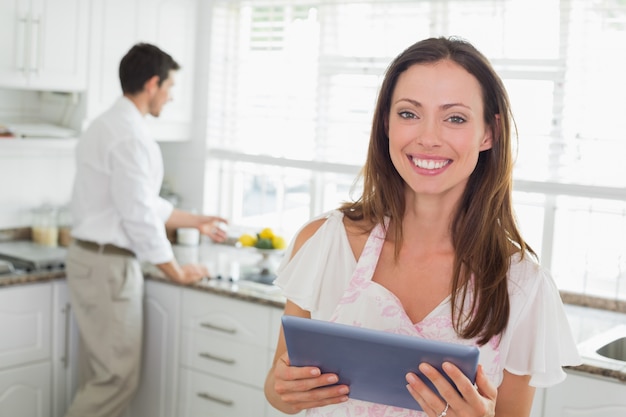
column 585, row 321
column 30, row 277
column 243, row 290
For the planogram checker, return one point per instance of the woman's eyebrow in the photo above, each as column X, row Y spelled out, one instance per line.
column 443, row 106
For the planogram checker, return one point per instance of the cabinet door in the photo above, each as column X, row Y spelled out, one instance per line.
column 58, row 47
column 44, row 44
column 157, row 392
column 172, row 26
column 116, row 26
column 25, row 391
column 25, row 318
column 14, row 31
column 64, row 350
column 585, row 396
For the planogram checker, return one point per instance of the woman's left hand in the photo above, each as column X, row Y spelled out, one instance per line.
column 479, row 400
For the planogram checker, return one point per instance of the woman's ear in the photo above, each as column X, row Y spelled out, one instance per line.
column 490, row 131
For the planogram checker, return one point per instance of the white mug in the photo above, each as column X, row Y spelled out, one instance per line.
column 188, row 236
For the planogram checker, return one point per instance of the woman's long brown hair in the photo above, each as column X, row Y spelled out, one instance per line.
column 484, row 228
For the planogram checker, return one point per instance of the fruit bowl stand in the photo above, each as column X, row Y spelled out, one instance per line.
column 264, row 271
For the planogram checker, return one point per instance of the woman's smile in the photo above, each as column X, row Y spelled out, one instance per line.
column 433, row 165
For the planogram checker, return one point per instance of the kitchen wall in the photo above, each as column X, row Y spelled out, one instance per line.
column 43, row 173
column 32, row 172
column 31, row 178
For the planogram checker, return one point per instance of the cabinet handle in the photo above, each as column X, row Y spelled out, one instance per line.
column 228, row 330
column 21, row 44
column 66, row 348
column 216, row 399
column 206, row 355
column 35, row 44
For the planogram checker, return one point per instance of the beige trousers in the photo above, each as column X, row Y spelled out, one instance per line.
column 106, row 292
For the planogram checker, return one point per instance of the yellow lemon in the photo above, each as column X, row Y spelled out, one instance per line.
column 278, row 242
column 247, row 240
column 266, row 233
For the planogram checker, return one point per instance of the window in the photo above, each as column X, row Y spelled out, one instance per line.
column 293, row 84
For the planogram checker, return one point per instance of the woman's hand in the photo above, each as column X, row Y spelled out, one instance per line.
column 300, row 388
column 479, row 400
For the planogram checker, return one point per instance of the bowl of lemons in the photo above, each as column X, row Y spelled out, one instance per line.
column 265, row 240
column 268, row 244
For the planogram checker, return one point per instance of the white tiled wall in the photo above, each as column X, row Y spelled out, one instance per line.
column 29, row 179
column 35, row 172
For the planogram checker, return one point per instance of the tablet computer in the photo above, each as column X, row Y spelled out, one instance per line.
column 373, row 363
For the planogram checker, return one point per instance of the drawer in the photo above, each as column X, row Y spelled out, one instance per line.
column 209, row 396
column 226, row 317
column 25, row 323
column 240, row 362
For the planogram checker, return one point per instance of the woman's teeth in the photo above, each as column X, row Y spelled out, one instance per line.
column 430, row 163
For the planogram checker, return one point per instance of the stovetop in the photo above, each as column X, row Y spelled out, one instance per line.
column 6, row 267
column 31, row 256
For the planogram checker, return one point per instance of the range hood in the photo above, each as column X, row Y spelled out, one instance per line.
column 39, row 130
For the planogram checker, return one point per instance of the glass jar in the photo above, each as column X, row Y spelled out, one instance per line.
column 44, row 227
column 65, row 226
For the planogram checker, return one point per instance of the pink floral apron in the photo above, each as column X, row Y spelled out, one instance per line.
column 368, row 304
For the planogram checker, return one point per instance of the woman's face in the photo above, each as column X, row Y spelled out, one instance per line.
column 436, row 127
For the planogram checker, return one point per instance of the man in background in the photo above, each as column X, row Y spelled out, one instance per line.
column 120, row 221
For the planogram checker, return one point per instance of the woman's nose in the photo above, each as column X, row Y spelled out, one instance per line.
column 429, row 135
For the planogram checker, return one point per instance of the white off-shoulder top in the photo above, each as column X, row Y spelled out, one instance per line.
column 537, row 341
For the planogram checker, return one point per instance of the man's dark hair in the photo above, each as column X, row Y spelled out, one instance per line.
column 142, row 62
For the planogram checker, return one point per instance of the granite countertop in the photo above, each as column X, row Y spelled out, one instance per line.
column 242, row 290
column 246, row 291
column 588, row 319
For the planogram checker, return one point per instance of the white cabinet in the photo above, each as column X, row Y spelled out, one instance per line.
column 211, row 396
column 25, row 372
column 157, row 392
column 582, row 395
column 44, row 44
column 224, row 356
column 116, row 26
column 65, row 350
column 25, row 391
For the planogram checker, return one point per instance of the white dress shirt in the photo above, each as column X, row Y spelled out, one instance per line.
column 119, row 171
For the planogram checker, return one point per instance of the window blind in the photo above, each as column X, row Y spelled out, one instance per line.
column 298, row 79
column 293, row 84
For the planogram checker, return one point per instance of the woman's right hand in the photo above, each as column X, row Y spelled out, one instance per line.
column 300, row 388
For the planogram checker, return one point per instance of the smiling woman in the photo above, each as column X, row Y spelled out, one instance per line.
column 436, row 125
column 289, row 122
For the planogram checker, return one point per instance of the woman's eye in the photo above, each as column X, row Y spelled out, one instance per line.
column 456, row 119
column 406, row 115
